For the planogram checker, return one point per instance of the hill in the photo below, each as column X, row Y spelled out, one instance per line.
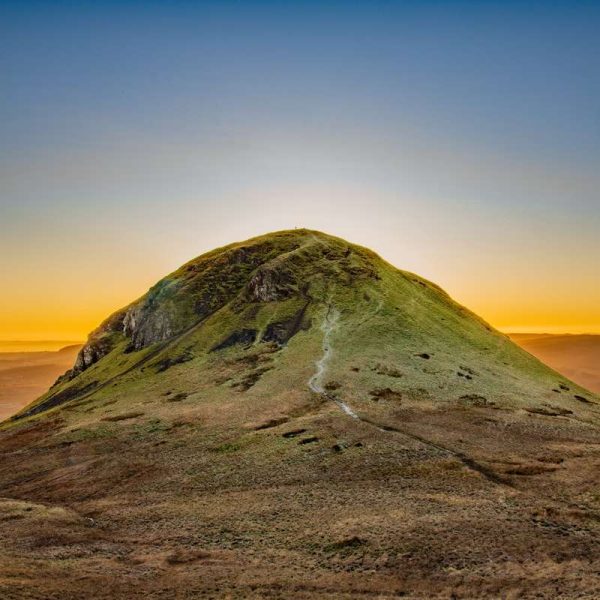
column 293, row 416
column 24, row 376
column 25, row 346
column 577, row 356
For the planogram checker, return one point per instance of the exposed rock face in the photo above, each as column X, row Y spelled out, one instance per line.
column 153, row 318
column 269, row 284
column 144, row 323
column 99, row 344
column 92, row 353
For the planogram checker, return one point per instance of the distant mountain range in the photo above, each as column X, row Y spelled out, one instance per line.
column 575, row 356
column 35, row 345
column 26, row 375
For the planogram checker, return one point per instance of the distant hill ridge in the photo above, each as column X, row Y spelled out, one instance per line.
column 36, row 345
column 26, row 375
column 576, row 356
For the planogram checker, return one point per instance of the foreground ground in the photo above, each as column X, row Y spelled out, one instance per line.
column 469, row 503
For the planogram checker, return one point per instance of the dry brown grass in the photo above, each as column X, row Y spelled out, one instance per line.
column 156, row 512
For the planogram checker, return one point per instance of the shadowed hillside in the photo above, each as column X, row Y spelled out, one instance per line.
column 291, row 416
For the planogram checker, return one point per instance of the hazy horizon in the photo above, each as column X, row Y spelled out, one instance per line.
column 18, row 346
column 35, row 345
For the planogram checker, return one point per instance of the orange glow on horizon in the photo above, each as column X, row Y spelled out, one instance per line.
column 73, row 308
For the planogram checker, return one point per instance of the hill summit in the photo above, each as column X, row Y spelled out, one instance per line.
column 288, row 293
column 294, row 416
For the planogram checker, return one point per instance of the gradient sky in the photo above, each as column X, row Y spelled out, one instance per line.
column 460, row 140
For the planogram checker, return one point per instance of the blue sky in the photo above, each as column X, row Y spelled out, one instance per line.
column 459, row 139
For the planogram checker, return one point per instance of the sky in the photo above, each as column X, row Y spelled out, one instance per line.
column 460, row 140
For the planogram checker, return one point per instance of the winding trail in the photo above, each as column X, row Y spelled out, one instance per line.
column 315, row 383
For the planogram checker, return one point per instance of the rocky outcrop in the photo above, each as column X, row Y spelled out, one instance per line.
column 269, row 284
column 100, row 343
column 153, row 318
column 145, row 326
column 93, row 351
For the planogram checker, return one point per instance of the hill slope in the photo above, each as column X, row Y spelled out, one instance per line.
column 288, row 415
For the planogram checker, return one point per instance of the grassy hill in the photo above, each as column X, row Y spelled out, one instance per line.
column 293, row 416
column 269, row 297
